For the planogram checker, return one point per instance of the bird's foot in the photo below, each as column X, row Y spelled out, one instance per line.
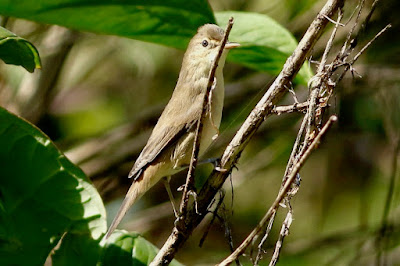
column 216, row 163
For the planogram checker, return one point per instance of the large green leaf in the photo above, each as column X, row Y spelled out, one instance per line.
column 265, row 44
column 18, row 51
column 123, row 248
column 171, row 23
column 42, row 195
column 77, row 249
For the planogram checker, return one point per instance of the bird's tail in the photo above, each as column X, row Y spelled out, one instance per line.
column 134, row 193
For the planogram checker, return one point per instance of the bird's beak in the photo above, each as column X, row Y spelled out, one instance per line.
column 230, row 45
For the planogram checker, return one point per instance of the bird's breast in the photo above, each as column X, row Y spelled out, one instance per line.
column 213, row 121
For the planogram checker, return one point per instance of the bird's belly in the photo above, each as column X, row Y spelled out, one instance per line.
column 183, row 150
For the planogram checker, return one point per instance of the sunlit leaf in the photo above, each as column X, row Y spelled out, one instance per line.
column 42, row 195
column 18, row 51
column 123, row 248
column 171, row 23
column 265, row 44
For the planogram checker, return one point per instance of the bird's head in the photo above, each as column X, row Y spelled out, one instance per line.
column 204, row 47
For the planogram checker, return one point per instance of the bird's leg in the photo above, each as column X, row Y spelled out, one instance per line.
column 171, row 198
column 215, row 162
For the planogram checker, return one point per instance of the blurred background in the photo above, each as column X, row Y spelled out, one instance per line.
column 98, row 97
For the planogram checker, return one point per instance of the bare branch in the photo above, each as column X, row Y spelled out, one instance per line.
column 330, row 42
column 370, row 42
column 284, row 232
column 189, row 186
column 299, row 107
column 265, row 237
column 281, row 194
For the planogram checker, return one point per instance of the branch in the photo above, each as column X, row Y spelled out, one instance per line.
column 284, row 232
column 309, row 125
column 282, row 193
column 183, row 229
column 382, row 235
column 196, row 143
column 297, row 107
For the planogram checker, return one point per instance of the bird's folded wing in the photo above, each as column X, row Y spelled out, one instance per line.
column 156, row 144
column 171, row 126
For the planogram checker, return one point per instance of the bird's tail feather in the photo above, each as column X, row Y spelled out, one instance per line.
column 134, row 193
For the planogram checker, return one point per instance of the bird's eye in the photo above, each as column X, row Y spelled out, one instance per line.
column 204, row 43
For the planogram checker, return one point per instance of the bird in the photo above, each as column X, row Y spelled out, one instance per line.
column 170, row 145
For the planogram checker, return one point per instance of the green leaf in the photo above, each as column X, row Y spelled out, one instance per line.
column 18, row 51
column 123, row 248
column 171, row 23
column 42, row 195
column 76, row 249
column 265, row 44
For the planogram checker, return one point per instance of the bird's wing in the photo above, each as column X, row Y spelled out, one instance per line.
column 154, row 147
column 162, row 137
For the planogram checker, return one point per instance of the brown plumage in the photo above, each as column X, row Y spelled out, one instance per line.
column 169, row 147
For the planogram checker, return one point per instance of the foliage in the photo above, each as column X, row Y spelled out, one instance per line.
column 18, row 51
column 125, row 248
column 266, row 44
column 43, row 195
column 166, row 22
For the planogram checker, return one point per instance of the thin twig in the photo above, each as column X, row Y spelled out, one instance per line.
column 261, row 251
column 284, row 232
column 349, row 65
column 296, row 144
column 337, row 23
column 281, row 195
column 330, row 42
column 360, row 6
column 381, row 241
column 367, row 19
column 189, row 186
column 369, row 43
column 298, row 107
column 215, row 214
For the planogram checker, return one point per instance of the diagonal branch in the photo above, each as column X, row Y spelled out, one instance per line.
column 196, row 143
